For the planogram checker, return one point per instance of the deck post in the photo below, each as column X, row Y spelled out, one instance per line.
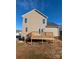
column 31, row 38
column 31, row 41
column 26, row 41
column 42, row 40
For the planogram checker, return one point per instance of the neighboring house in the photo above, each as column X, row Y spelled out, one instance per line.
column 52, row 27
column 35, row 21
column 18, row 34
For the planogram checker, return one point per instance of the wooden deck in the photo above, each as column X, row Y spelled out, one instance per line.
column 48, row 36
column 40, row 36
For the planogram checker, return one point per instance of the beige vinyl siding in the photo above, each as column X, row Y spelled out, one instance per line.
column 55, row 31
column 34, row 22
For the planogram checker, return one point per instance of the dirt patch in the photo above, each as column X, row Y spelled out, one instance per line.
column 39, row 51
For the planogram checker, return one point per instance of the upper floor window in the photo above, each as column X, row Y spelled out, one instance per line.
column 25, row 20
column 43, row 21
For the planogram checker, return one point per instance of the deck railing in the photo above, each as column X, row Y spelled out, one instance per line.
column 43, row 35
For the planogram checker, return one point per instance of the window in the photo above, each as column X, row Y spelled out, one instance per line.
column 26, row 29
column 41, row 30
column 43, row 21
column 25, row 20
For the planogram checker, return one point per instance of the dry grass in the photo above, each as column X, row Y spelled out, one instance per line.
column 39, row 51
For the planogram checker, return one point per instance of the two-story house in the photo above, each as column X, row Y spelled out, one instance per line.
column 35, row 21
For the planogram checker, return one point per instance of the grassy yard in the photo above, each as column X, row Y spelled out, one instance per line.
column 39, row 51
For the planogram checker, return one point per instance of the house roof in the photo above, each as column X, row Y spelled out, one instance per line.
column 37, row 12
column 52, row 25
